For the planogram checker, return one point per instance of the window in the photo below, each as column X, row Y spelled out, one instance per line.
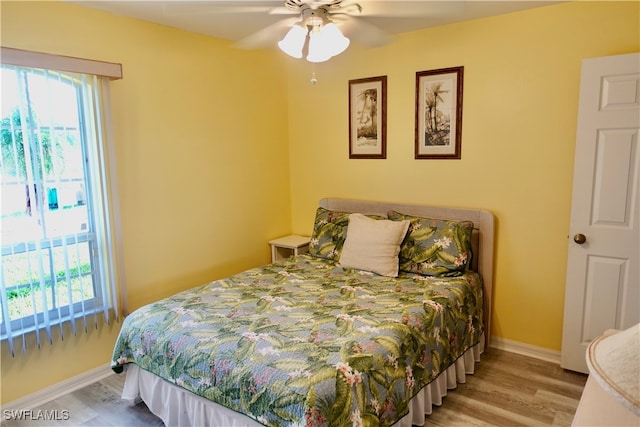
column 56, row 223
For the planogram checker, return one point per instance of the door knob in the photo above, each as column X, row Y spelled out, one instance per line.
column 579, row 238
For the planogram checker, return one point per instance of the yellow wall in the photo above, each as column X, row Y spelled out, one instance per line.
column 201, row 145
column 193, row 114
column 521, row 84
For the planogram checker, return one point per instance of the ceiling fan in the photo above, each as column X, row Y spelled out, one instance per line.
column 321, row 29
column 315, row 27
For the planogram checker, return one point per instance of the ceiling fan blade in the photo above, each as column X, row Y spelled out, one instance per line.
column 268, row 36
column 411, row 9
column 359, row 30
column 283, row 11
column 186, row 8
column 351, row 8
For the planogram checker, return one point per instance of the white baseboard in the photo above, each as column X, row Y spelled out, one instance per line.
column 525, row 349
column 48, row 394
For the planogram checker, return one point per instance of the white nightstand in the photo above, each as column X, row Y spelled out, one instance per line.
column 286, row 246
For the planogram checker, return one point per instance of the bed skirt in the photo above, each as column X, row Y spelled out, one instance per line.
column 178, row 407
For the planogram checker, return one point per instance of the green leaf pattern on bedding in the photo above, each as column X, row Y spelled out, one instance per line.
column 434, row 247
column 306, row 342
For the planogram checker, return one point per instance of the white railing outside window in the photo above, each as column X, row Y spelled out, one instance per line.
column 57, row 229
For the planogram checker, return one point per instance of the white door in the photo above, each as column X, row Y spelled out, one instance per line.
column 603, row 279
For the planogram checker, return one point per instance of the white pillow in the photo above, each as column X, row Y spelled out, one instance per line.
column 373, row 245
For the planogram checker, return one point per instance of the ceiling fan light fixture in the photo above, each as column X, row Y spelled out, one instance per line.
column 293, row 41
column 325, row 42
column 334, row 39
column 325, row 39
column 319, row 50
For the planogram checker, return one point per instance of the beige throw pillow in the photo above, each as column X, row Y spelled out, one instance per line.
column 373, row 245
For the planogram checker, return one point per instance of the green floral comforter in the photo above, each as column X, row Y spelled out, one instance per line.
column 305, row 342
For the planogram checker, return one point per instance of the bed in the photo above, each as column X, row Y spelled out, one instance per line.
column 388, row 311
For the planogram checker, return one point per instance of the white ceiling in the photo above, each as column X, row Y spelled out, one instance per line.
column 250, row 23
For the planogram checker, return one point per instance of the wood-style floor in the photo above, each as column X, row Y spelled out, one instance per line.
column 507, row 389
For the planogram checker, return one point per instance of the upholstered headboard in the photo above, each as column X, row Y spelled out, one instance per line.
column 482, row 240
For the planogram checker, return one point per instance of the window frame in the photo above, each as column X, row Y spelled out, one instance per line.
column 112, row 273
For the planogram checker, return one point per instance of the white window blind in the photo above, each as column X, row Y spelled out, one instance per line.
column 58, row 222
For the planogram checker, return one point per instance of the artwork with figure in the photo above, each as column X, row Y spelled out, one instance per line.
column 367, row 111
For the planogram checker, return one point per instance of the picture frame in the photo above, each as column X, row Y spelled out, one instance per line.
column 368, row 118
column 438, row 130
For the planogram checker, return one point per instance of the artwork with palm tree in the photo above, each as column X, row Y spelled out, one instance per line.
column 439, row 113
column 367, row 118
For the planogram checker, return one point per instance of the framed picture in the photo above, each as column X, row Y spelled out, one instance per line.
column 439, row 113
column 368, row 118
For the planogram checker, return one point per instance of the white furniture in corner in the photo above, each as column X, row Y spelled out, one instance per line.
column 286, row 246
